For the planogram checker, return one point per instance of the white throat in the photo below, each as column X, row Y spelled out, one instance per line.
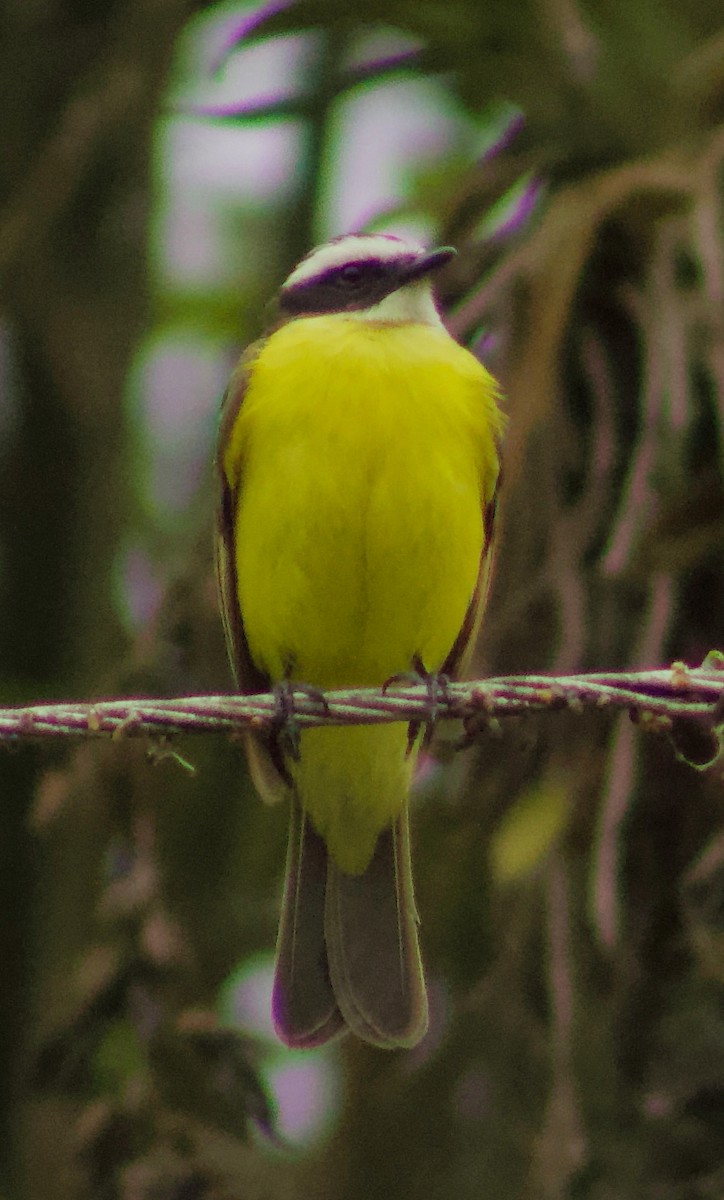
column 412, row 304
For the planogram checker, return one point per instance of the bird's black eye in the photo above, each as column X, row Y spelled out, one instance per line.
column 350, row 275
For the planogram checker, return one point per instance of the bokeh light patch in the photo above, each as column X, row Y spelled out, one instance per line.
column 305, row 1083
column 179, row 379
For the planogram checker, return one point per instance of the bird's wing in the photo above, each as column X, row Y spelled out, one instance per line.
column 265, row 758
column 458, row 660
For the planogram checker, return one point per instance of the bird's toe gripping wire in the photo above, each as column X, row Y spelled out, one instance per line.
column 436, row 684
column 284, row 724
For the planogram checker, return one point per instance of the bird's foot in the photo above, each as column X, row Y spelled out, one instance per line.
column 284, row 723
column 436, row 684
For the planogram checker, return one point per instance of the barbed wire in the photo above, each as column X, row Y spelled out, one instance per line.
column 657, row 699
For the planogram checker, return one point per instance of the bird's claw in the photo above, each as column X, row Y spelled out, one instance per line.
column 436, row 685
column 284, row 721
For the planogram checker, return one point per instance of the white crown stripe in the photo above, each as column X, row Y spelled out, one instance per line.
column 351, row 248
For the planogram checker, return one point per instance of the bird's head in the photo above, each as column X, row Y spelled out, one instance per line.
column 371, row 276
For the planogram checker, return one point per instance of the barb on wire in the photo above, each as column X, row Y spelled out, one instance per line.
column 656, row 699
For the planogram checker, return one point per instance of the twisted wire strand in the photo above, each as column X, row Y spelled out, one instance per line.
column 694, row 693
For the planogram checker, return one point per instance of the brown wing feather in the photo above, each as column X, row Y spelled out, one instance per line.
column 458, row 660
column 263, row 754
column 461, row 651
column 248, row 676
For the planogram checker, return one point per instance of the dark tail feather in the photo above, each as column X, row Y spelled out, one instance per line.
column 372, row 945
column 304, row 1007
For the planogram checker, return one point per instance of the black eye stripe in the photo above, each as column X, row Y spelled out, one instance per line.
column 353, row 284
column 356, row 272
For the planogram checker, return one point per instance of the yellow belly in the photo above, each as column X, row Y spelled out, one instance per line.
column 362, row 457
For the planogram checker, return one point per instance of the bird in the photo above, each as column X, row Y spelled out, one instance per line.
column 357, row 467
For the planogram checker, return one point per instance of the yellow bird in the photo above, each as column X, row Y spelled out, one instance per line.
column 358, row 465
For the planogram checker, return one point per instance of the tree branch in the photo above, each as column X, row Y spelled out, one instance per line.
column 656, row 699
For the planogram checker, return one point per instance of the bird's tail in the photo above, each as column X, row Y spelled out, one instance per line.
column 372, row 946
column 348, row 954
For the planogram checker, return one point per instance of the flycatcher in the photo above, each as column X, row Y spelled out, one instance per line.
column 357, row 465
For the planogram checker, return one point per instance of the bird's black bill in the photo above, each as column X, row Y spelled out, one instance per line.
column 427, row 263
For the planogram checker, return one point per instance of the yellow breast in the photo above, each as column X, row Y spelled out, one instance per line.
column 363, row 457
